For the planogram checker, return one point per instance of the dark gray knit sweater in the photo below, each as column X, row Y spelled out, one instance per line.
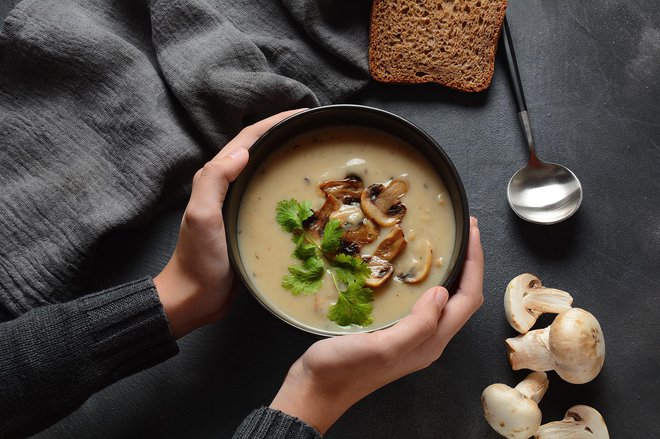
column 54, row 357
column 266, row 423
column 106, row 110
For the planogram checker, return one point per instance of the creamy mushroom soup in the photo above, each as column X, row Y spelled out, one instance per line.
column 296, row 171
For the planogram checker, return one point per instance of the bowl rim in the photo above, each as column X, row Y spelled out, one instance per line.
column 232, row 237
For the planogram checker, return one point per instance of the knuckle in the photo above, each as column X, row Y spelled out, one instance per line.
column 196, row 217
column 427, row 328
column 217, row 172
column 211, row 168
column 381, row 351
column 253, row 130
column 196, row 176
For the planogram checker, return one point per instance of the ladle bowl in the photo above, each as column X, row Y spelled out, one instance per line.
column 545, row 193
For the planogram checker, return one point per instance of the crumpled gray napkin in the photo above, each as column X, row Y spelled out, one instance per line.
column 108, row 107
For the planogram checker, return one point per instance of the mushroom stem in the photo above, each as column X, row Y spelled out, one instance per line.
column 548, row 300
column 534, row 386
column 562, row 430
column 531, row 351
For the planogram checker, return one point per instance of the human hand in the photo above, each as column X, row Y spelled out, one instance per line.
column 196, row 284
column 337, row 372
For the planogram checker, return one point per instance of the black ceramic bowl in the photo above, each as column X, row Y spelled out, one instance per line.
column 342, row 115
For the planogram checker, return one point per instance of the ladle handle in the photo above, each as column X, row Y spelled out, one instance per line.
column 516, row 85
column 512, row 66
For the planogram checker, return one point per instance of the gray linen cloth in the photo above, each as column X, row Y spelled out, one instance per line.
column 107, row 107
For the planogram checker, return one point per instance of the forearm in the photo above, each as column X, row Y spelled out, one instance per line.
column 53, row 358
column 300, row 397
column 180, row 296
column 188, row 303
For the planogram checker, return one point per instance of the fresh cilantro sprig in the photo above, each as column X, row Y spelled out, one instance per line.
column 291, row 214
column 349, row 269
column 349, row 273
column 305, row 278
column 353, row 305
column 331, row 238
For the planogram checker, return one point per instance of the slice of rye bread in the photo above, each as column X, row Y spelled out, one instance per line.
column 451, row 42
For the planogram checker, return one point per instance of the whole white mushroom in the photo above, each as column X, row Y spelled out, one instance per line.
column 580, row 422
column 514, row 412
column 573, row 346
column 525, row 299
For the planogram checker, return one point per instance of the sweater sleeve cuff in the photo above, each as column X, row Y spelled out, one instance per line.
column 128, row 328
column 273, row 424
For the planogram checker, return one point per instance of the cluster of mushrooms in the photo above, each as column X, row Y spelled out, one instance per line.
column 573, row 346
column 362, row 212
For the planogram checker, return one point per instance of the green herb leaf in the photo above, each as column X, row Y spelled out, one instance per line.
column 305, row 278
column 350, row 269
column 331, row 240
column 354, row 263
column 290, row 214
column 303, row 249
column 353, row 306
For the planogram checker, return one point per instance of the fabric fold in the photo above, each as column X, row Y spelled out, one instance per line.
column 108, row 108
column 235, row 62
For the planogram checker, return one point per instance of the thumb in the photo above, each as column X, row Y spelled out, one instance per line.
column 420, row 324
column 211, row 183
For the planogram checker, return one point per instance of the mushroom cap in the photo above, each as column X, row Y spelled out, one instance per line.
column 381, row 202
column 417, row 269
column 347, row 190
column 350, row 215
column 577, row 343
column 357, row 227
column 381, row 270
column 316, row 223
column 509, row 412
column 580, row 421
column 514, row 305
column 393, row 244
column 526, row 299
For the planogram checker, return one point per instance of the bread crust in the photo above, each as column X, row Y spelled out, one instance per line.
column 410, row 30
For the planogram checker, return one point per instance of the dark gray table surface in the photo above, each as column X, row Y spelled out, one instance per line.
column 591, row 72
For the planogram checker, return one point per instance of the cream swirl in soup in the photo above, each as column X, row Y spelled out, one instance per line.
column 296, row 171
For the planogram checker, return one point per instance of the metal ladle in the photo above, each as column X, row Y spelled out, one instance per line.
column 541, row 193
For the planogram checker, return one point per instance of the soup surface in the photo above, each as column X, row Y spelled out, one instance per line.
column 295, row 171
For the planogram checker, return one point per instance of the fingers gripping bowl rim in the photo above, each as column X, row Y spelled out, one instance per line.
column 343, row 115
